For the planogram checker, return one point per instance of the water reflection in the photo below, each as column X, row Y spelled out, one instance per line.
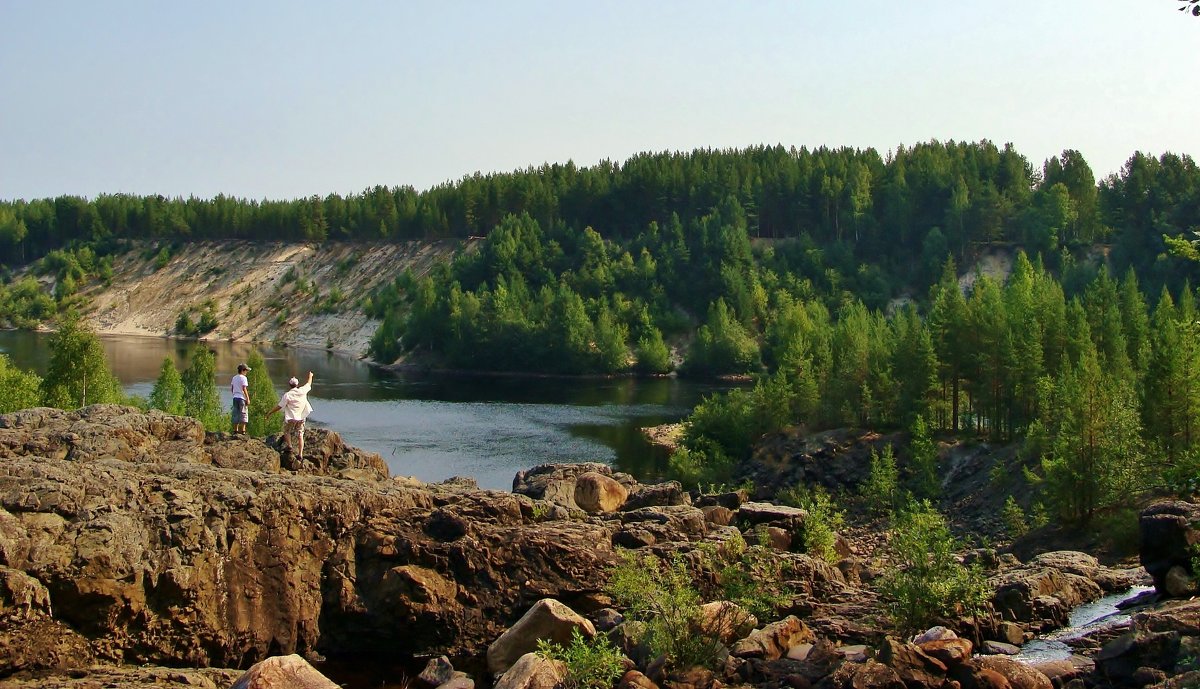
column 427, row 426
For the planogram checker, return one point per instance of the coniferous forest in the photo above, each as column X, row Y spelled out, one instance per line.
column 838, row 278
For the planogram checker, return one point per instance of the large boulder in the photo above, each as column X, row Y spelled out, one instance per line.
column 1170, row 532
column 548, row 619
column 556, row 483
column 283, row 672
column 532, row 671
column 1018, row 674
column 595, row 492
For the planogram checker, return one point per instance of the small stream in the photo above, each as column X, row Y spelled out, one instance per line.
column 1085, row 619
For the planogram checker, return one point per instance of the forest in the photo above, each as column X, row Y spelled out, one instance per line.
column 832, row 278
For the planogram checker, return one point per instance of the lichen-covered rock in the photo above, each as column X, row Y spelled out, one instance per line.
column 556, row 483
column 1040, row 594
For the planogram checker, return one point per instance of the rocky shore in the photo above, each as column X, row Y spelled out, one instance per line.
column 137, row 549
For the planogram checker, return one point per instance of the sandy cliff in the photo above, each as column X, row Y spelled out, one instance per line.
column 260, row 291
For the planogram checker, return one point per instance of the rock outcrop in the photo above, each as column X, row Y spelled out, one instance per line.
column 134, row 537
column 1170, row 536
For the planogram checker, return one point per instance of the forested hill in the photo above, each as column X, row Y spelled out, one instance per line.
column 881, row 209
column 607, row 268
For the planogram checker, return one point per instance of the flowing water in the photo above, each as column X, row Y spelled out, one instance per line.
column 1085, row 619
column 433, row 426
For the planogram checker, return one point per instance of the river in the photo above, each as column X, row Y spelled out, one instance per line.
column 433, row 427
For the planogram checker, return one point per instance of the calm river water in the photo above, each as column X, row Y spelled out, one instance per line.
column 433, row 427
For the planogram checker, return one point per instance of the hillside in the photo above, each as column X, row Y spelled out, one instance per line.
column 300, row 294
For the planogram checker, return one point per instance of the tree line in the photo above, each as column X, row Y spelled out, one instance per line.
column 927, row 199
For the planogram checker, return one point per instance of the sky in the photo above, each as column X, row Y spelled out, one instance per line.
column 287, row 99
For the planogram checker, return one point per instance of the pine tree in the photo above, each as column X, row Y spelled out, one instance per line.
column 1094, row 456
column 200, row 399
column 167, row 394
column 262, row 399
column 947, row 326
column 923, row 453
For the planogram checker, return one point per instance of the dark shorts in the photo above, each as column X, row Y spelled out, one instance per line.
column 241, row 413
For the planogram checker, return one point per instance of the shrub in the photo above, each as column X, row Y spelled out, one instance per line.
column 162, row 258
column 1014, row 518
column 19, row 389
column 594, row 664
column 749, row 576
column 660, row 595
column 823, row 521
column 705, row 463
column 924, row 583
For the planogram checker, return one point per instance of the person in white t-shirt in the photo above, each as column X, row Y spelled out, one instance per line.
column 296, row 409
column 240, row 387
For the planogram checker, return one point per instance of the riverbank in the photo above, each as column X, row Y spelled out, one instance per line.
column 288, row 294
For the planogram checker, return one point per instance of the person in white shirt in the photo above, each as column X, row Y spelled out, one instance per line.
column 240, row 387
column 296, row 409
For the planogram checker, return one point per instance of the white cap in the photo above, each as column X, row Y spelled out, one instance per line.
column 293, row 382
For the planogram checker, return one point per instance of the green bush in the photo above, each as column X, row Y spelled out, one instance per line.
column 19, row 389
column 823, row 521
column 594, row 664
column 660, row 595
column 705, row 464
column 748, row 575
column 1014, row 518
column 924, row 582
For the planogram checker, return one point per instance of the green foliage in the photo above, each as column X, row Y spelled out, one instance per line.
column 652, row 354
column 205, row 323
column 924, row 481
column 823, row 521
column 881, row 490
column 660, row 595
column 200, row 399
column 25, row 304
column 78, row 373
column 19, row 389
column 162, row 258
column 703, row 463
column 591, row 664
column 1039, row 516
column 1014, row 518
column 749, row 576
column 1091, row 439
column 1119, row 529
column 722, row 345
column 262, row 399
column 167, row 394
column 923, row 582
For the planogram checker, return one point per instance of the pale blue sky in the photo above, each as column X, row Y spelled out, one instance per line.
column 287, row 99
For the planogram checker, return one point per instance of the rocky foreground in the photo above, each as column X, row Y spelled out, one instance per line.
column 133, row 546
